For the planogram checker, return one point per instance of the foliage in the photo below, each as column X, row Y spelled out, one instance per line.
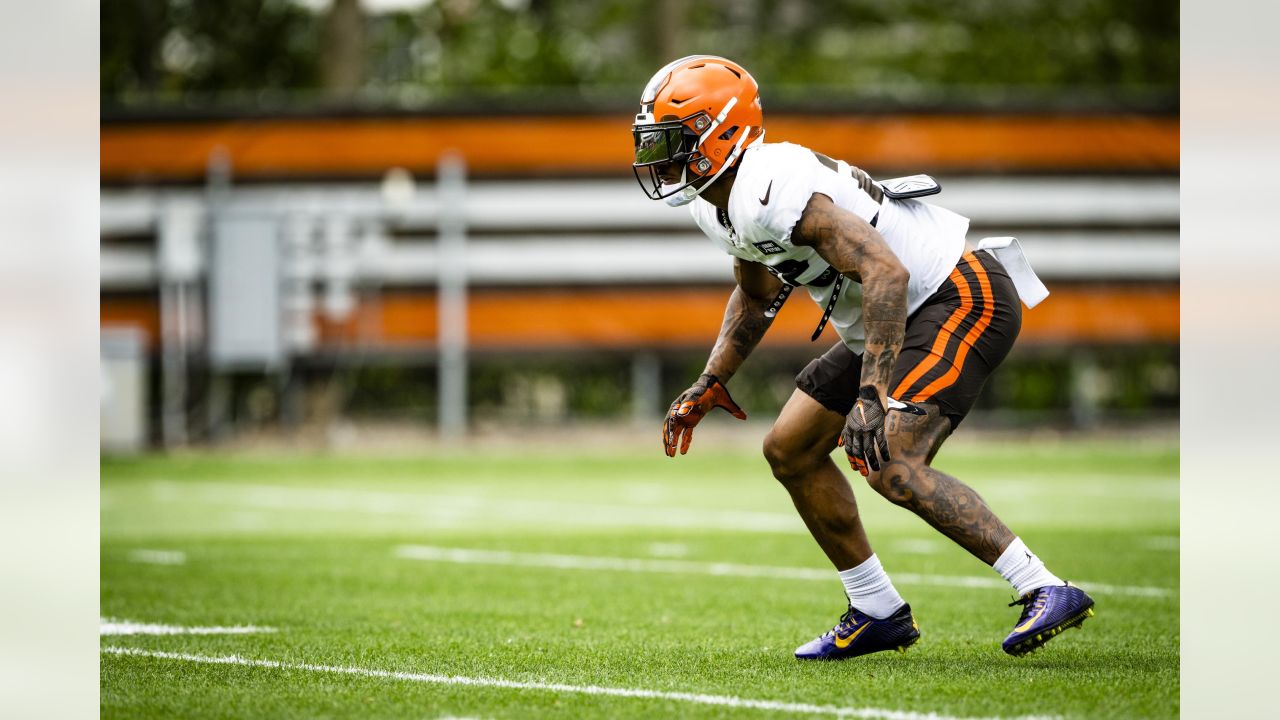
column 190, row 49
column 542, row 51
column 1034, row 387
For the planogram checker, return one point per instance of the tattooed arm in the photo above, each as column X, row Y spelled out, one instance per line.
column 744, row 319
column 849, row 244
column 744, row 324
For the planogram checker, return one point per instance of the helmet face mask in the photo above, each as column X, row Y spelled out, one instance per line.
column 668, row 149
column 696, row 115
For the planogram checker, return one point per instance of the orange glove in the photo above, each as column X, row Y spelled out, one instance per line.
column 689, row 409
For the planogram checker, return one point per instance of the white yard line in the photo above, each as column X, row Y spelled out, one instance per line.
column 729, row 701
column 452, row 509
column 668, row 549
column 448, row 510
column 912, row 546
column 1161, row 543
column 158, row 557
column 1143, row 487
column 470, row 556
column 109, row 626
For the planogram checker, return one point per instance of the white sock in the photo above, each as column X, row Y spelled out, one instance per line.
column 870, row 590
column 1024, row 571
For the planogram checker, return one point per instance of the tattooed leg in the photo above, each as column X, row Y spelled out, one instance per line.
column 798, row 449
column 951, row 507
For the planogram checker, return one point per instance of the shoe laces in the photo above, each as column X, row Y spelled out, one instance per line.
column 1031, row 603
column 848, row 621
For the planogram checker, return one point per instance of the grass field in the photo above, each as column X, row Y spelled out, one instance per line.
column 610, row 583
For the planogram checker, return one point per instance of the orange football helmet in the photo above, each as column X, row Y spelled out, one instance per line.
column 698, row 112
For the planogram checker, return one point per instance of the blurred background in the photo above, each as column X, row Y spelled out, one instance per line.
column 344, row 222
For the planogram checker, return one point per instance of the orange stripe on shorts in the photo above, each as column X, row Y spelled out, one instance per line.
column 944, row 335
column 988, row 309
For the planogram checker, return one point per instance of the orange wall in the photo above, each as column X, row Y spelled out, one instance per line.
column 602, row 144
column 632, row 317
column 140, row 313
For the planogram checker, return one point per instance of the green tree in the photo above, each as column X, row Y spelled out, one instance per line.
column 914, row 52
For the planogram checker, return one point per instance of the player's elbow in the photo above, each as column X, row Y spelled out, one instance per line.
column 892, row 273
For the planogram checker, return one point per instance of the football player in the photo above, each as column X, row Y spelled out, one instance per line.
column 923, row 317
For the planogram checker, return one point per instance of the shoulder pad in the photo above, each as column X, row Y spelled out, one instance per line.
column 911, row 186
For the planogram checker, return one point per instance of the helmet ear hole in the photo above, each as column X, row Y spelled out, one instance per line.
column 728, row 133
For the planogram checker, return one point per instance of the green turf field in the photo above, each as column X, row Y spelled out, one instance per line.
column 611, row 583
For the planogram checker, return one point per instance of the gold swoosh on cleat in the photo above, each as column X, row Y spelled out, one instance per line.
column 1030, row 622
column 844, row 642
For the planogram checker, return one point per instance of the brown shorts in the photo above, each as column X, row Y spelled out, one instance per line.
column 953, row 343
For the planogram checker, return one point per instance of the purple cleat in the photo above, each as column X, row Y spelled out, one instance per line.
column 1046, row 612
column 859, row 634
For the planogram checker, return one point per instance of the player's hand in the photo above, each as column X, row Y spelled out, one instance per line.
column 864, row 432
column 689, row 409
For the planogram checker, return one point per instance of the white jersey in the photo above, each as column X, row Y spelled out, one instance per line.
column 774, row 184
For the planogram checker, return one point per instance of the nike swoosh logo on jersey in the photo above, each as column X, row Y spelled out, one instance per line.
column 765, row 200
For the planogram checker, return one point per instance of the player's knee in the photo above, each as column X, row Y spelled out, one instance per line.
column 894, row 480
column 789, row 462
column 776, row 453
column 907, row 458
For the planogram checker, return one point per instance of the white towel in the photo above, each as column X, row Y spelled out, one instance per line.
column 1009, row 252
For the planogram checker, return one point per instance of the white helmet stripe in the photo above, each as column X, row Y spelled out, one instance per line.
column 659, row 78
column 719, row 119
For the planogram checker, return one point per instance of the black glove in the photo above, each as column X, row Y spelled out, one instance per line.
column 864, row 432
column 688, row 410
